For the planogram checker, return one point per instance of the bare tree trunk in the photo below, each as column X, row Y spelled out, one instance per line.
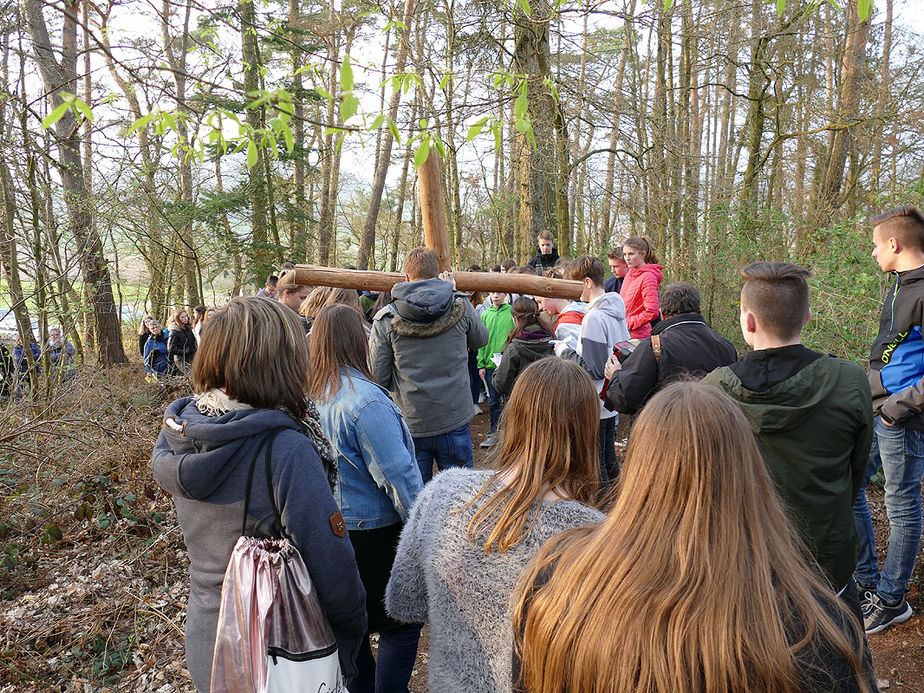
column 262, row 257
column 58, row 77
column 381, row 165
column 882, row 101
column 847, row 113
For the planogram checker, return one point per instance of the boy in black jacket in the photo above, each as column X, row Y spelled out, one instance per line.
column 685, row 345
column 896, row 378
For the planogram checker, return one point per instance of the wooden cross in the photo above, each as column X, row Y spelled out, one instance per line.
column 436, row 237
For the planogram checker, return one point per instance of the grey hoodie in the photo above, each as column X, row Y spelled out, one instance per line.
column 205, row 469
column 419, row 352
column 604, row 324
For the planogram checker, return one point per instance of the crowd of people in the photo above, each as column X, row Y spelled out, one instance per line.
column 21, row 368
column 732, row 550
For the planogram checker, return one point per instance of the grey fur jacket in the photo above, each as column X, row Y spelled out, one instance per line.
column 438, row 576
column 418, row 351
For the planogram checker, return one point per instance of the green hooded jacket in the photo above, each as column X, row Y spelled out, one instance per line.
column 814, row 431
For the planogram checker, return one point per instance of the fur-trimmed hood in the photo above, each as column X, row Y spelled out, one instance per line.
column 407, row 328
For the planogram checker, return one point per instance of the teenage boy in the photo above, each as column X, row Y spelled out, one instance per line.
column 269, row 288
column 547, row 256
column 499, row 321
column 419, row 351
column 811, row 414
column 896, row 378
column 619, row 268
column 604, row 325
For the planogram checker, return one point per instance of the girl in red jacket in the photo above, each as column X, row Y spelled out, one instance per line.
column 640, row 287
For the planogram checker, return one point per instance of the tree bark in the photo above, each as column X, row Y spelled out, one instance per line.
column 381, row 165
column 57, row 78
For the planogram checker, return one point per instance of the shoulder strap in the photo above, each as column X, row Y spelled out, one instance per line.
column 656, row 347
column 268, row 438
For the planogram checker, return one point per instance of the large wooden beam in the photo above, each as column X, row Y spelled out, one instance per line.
column 433, row 208
column 313, row 275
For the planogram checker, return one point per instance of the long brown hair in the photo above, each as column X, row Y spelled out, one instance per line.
column 643, row 245
column 175, row 319
column 525, row 312
column 696, row 576
column 548, row 441
column 256, row 351
column 338, row 340
column 313, row 303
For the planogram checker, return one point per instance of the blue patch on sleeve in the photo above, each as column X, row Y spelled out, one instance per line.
column 906, row 365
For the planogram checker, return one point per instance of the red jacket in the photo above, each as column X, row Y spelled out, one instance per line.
column 640, row 293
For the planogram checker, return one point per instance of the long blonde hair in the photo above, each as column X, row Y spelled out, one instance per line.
column 548, row 441
column 696, row 580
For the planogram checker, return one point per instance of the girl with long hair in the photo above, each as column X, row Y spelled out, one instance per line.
column 377, row 481
column 696, row 577
column 640, row 285
column 181, row 344
column 250, row 377
column 472, row 532
column 527, row 342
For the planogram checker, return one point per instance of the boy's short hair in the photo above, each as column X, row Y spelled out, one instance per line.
column 679, row 298
column 508, row 264
column 494, row 268
column 546, row 235
column 586, row 266
column 778, row 294
column 421, row 263
column 271, row 280
column 906, row 223
column 616, row 254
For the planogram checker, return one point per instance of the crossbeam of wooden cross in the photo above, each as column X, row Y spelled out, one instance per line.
column 436, row 237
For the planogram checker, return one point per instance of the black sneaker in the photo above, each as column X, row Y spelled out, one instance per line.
column 867, row 594
column 880, row 615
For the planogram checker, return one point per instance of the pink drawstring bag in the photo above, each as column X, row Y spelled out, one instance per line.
column 273, row 635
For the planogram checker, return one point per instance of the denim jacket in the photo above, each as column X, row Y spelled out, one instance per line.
column 377, row 474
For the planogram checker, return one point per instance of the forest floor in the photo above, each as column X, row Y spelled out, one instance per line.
column 93, row 571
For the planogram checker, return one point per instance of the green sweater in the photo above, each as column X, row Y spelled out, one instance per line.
column 499, row 322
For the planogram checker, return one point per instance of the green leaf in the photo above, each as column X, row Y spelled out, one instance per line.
column 332, row 130
column 252, row 154
column 445, row 81
column 520, row 106
column 423, row 153
column 439, row 147
column 523, row 125
column 142, row 122
column 84, row 109
column 377, row 123
column 289, row 138
column 55, row 115
column 423, row 123
column 346, row 74
column 323, row 93
column 348, row 107
column 864, row 8
column 780, row 6
column 393, row 129
column 498, row 136
column 474, row 131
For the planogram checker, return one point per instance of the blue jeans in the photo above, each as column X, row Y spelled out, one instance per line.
column 495, row 399
column 453, row 449
column 901, row 451
column 392, row 671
